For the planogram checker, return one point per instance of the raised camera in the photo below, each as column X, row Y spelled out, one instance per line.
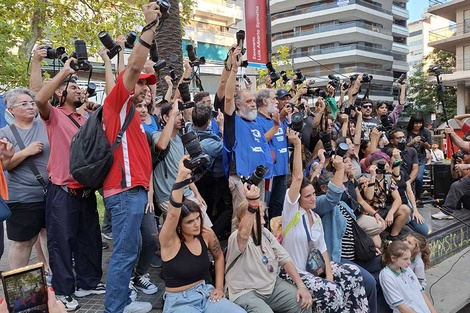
column 257, row 177
column 192, row 145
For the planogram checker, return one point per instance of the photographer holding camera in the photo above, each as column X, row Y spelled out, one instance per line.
column 244, row 139
column 459, row 192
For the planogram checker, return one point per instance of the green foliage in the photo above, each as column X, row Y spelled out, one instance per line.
column 280, row 61
column 423, row 87
column 23, row 24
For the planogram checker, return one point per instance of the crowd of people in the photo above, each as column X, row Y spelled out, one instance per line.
column 329, row 172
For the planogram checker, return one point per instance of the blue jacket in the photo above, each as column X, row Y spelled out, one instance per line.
column 212, row 145
column 334, row 223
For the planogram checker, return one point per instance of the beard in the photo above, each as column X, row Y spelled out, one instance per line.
column 271, row 108
column 248, row 114
column 78, row 103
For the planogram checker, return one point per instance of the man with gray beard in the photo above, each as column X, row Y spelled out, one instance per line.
column 245, row 144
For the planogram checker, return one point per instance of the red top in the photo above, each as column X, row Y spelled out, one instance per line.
column 60, row 130
column 132, row 164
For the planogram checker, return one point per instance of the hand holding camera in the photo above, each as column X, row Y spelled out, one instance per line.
column 68, row 69
column 151, row 13
column 252, row 193
column 40, row 53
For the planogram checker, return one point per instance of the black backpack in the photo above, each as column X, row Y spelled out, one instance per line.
column 91, row 155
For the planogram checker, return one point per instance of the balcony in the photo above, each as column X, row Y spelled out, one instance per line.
column 399, row 31
column 323, row 34
column 209, row 35
column 220, row 10
column 447, row 38
column 399, row 48
column 446, row 8
column 400, row 13
column 326, row 12
column 346, row 53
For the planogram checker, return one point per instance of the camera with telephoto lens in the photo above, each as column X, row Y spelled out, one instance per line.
column 272, row 73
column 81, row 55
column 347, row 110
column 326, row 141
column 366, row 78
column 192, row 145
column 58, row 53
column 130, row 40
column 342, row 149
column 297, row 121
column 165, row 7
column 159, row 64
column 458, row 155
column 91, row 90
column 241, row 40
column 284, row 77
column 386, row 124
column 334, row 81
column 194, row 60
column 317, row 92
column 401, row 79
column 380, row 167
column 173, row 76
column 109, row 43
column 185, row 96
column 257, row 177
column 298, row 77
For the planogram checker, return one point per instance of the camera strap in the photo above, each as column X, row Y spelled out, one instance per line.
column 187, row 181
column 29, row 161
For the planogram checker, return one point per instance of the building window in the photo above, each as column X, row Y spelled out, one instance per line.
column 466, row 59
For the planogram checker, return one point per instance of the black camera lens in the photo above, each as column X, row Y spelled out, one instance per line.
column 80, row 50
column 401, row 145
column 297, row 123
column 191, row 53
column 257, row 177
column 91, row 90
column 184, row 92
column 130, row 40
column 109, row 43
column 342, row 149
column 326, row 141
column 165, row 6
column 191, row 143
column 381, row 167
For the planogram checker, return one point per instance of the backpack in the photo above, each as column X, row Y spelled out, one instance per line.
column 276, row 226
column 91, row 155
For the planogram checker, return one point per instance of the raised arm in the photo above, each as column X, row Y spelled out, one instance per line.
column 35, row 78
column 231, row 82
column 108, row 70
column 162, row 142
column 46, row 92
column 168, row 235
column 169, row 91
column 297, row 175
column 140, row 52
column 246, row 223
column 121, row 66
column 225, row 75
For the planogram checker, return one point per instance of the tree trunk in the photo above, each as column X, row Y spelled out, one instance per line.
column 35, row 31
column 169, row 41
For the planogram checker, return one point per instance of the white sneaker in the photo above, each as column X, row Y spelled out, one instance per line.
column 138, row 307
column 144, row 284
column 69, row 302
column 442, row 216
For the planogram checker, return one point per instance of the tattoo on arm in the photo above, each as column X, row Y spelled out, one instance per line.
column 215, row 244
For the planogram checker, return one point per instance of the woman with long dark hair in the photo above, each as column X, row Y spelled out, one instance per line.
column 418, row 137
column 185, row 244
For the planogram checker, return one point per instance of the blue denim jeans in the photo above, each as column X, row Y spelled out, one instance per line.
column 196, row 300
column 419, row 181
column 127, row 209
column 149, row 232
column 423, row 229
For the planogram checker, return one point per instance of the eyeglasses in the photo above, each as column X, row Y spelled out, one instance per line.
column 367, row 106
column 265, row 261
column 23, row 104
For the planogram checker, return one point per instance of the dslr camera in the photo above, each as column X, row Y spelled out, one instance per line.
column 298, row 77
column 109, row 43
column 380, row 167
column 194, row 60
column 58, row 53
column 297, row 121
column 272, row 73
column 165, row 7
column 366, row 78
column 199, row 160
column 81, row 55
column 257, row 177
column 185, row 96
column 458, row 155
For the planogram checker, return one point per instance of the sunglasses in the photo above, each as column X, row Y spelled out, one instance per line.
column 367, row 106
column 265, row 261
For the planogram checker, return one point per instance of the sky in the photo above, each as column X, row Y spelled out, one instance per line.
column 416, row 8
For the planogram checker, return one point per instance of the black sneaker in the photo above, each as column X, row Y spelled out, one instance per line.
column 144, row 284
column 98, row 290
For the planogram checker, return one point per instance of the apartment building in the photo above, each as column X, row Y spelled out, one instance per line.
column 454, row 38
column 346, row 37
column 419, row 38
